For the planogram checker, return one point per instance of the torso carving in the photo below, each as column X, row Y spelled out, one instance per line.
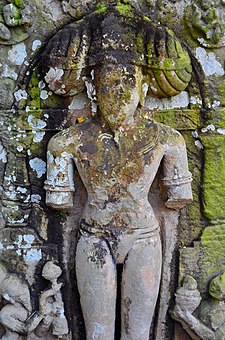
column 118, row 170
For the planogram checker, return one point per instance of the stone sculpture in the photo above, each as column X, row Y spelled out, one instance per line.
column 17, row 295
column 16, row 315
column 187, row 300
column 212, row 310
column 208, row 323
column 51, row 304
column 120, row 56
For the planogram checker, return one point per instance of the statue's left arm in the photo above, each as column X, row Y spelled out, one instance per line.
column 177, row 178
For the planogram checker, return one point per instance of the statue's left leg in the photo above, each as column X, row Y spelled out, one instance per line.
column 140, row 287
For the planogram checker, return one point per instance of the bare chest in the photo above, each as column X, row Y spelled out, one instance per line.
column 120, row 157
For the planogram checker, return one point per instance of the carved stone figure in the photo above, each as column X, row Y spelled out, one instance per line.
column 117, row 153
column 212, row 310
column 208, row 323
column 187, row 300
column 16, row 315
column 51, row 304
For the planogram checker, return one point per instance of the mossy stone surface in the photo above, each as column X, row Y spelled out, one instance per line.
column 214, row 177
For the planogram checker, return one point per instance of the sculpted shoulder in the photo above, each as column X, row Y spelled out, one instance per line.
column 73, row 137
column 169, row 136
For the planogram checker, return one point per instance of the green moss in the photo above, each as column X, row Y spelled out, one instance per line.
column 214, row 177
column 167, row 64
column 204, row 24
column 139, row 45
column 123, row 8
column 179, row 119
column 147, row 19
column 101, row 8
column 213, row 242
column 222, row 118
column 26, row 139
column 222, row 93
column 34, row 100
column 206, row 258
column 216, row 117
column 16, row 14
column 18, row 3
column 35, row 97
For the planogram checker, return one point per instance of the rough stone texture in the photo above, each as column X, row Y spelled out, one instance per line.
column 208, row 321
column 30, row 114
column 16, row 316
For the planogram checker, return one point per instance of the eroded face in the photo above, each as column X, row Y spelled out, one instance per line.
column 118, row 92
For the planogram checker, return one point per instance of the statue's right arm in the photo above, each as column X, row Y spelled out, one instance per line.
column 59, row 184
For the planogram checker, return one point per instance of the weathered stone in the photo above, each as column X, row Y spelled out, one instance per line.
column 45, row 90
column 16, row 315
column 187, row 300
column 117, row 154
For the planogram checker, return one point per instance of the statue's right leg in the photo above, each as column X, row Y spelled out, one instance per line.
column 96, row 278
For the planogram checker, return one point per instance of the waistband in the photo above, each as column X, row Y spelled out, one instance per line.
column 113, row 232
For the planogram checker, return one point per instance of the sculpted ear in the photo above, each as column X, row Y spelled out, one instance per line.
column 169, row 64
column 63, row 62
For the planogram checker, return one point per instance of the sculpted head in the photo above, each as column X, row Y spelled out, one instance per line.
column 119, row 90
column 120, row 67
column 51, row 271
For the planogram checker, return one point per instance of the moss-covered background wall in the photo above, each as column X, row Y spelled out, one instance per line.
column 32, row 235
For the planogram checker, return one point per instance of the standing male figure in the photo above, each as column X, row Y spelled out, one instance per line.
column 117, row 154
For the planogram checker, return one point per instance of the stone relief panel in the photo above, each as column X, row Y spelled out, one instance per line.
column 37, row 101
column 108, row 67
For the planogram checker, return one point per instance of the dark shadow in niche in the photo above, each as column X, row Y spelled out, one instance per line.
column 70, row 233
column 119, row 268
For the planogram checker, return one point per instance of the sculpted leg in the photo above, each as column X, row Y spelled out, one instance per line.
column 140, row 287
column 96, row 278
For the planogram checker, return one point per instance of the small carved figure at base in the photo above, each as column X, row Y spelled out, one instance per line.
column 51, row 304
column 17, row 316
column 209, row 323
column 212, row 310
